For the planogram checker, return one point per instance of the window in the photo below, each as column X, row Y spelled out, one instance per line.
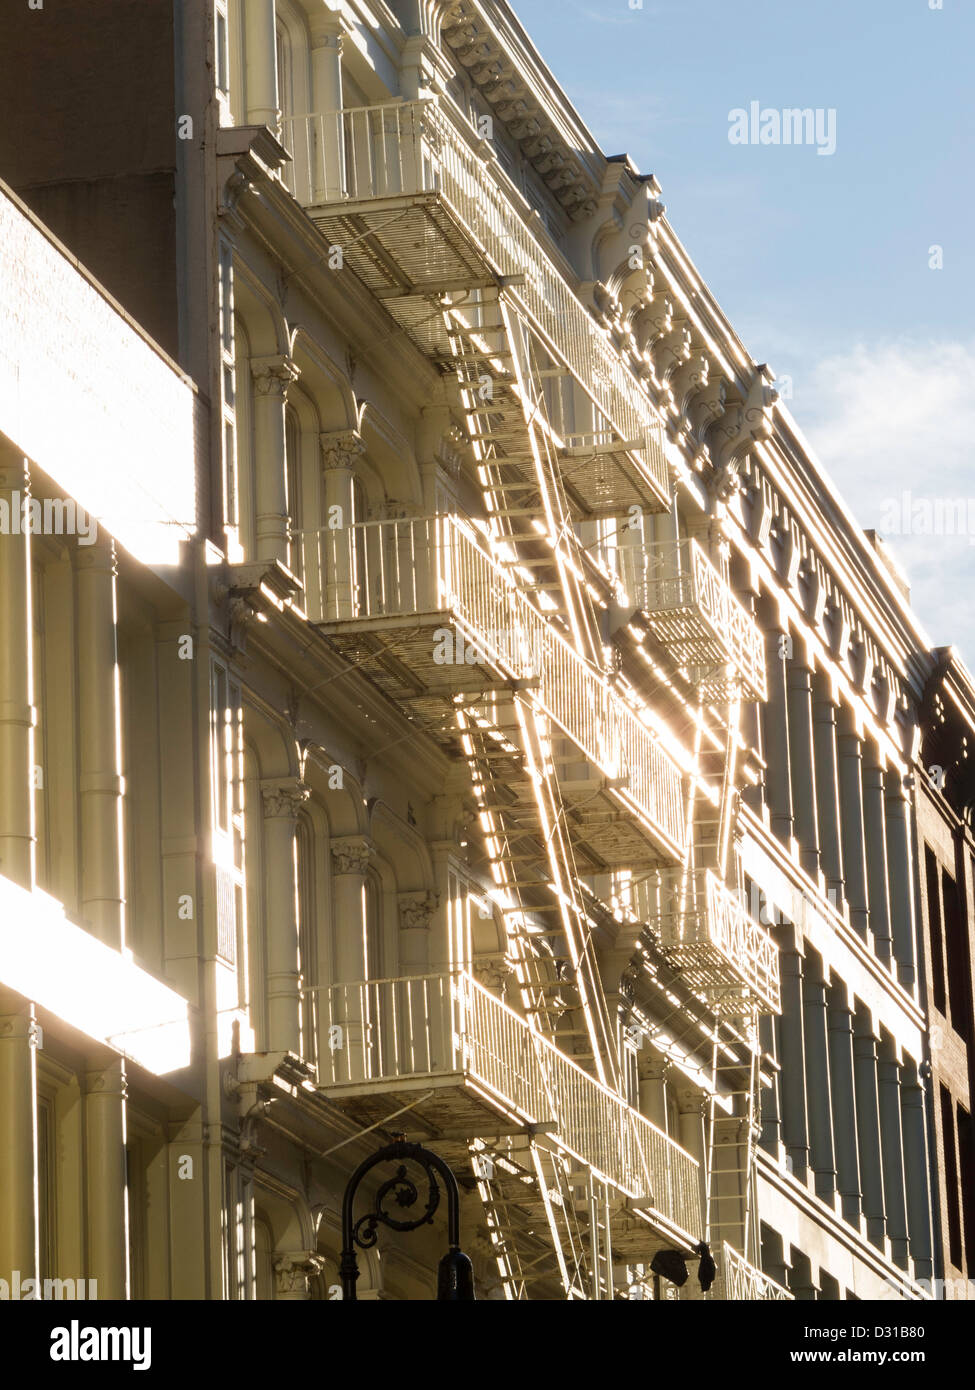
column 228, row 384
column 222, row 51
column 292, row 446
column 304, row 848
column 951, row 1178
column 956, row 954
column 227, row 751
column 46, row 1206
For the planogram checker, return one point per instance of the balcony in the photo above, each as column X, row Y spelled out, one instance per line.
column 738, row 1281
column 706, row 933
column 421, row 209
column 691, row 609
column 427, row 609
column 474, row 1067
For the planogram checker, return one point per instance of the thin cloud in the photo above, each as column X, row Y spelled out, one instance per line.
column 893, row 424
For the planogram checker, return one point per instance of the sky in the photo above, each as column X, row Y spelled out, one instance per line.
column 852, row 273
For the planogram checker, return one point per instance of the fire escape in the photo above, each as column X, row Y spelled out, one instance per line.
column 491, row 634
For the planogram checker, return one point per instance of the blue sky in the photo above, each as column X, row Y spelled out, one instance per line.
column 820, row 262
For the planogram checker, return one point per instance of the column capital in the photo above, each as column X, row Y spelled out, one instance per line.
column 99, row 555
column 283, row 798
column 691, row 1101
column 653, row 1068
column 416, row 910
column 351, row 854
column 14, row 473
column 295, row 1270
column 341, row 448
column 273, row 375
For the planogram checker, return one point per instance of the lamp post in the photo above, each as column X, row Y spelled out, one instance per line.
column 455, row 1277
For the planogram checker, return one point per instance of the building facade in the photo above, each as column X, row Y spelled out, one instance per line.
column 458, row 707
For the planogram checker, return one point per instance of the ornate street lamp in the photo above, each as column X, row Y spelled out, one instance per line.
column 455, row 1277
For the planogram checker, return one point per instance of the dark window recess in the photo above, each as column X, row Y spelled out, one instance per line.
column 966, row 1164
column 956, row 949
column 951, row 1178
column 934, row 929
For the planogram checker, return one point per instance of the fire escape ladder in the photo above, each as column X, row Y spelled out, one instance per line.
column 732, row 1140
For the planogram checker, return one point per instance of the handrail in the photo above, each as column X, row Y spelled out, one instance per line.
column 434, row 564
column 740, row 1282
column 413, row 149
column 446, row 1022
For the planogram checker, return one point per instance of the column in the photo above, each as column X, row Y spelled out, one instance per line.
column 261, row 63
column 339, row 453
column 799, row 693
column 16, row 713
column 294, row 1274
column 350, row 1011
column 272, row 527
column 18, row 1151
column 900, row 870
column 771, row 1113
column 875, row 841
column 849, row 749
column 892, row 1151
column 101, row 783
column 775, row 736
column 282, row 802
column 105, row 1180
column 820, row 1105
column 868, row 1127
column 327, row 103
column 424, row 1006
column 652, row 1072
column 794, row 1116
column 916, row 1169
column 693, row 1108
column 842, row 1094
column 751, row 718
column 827, row 790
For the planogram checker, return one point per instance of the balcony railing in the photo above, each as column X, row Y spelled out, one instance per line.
column 438, row 566
column 739, row 1281
column 449, row 1026
column 707, row 932
column 691, row 608
column 376, row 153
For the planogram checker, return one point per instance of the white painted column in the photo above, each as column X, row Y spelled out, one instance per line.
column 875, row 840
column 282, row 802
column 16, row 712
column 261, row 63
column 795, row 1127
column 820, row 1107
column 18, row 1151
column 327, row 103
column 652, row 1074
column 272, row 377
column 340, row 449
column 101, row 782
column 424, row 1004
column 350, row 861
column 828, row 792
column 850, row 750
column 843, row 1096
column 868, row 1128
column 799, row 694
column 775, row 731
column 900, row 867
column 693, row 1108
column 108, row 1246
column 892, row 1152
column 916, row 1169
